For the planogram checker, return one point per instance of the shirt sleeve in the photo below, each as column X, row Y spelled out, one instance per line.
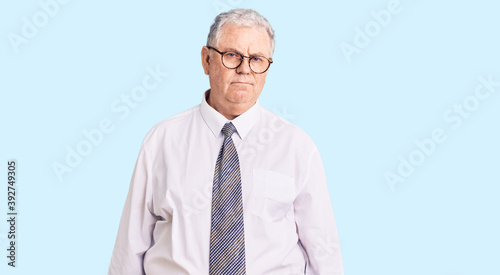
column 137, row 222
column 316, row 223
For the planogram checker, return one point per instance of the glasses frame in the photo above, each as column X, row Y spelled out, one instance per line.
column 241, row 59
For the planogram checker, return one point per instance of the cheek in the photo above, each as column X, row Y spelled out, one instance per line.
column 221, row 77
column 215, row 78
column 261, row 80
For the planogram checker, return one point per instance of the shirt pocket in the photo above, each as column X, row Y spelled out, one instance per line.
column 273, row 194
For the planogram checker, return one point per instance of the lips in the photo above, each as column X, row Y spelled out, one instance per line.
column 241, row 83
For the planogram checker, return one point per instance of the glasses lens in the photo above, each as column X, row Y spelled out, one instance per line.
column 231, row 59
column 259, row 64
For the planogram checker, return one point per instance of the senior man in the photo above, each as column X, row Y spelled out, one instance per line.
column 227, row 187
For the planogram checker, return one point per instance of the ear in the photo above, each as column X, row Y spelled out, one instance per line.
column 205, row 59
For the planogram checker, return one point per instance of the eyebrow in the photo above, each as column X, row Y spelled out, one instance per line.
column 235, row 50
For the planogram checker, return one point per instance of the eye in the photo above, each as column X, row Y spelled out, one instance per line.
column 231, row 54
column 257, row 59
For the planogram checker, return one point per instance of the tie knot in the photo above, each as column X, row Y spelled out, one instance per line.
column 228, row 129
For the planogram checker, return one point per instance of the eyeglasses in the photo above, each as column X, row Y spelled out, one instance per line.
column 232, row 60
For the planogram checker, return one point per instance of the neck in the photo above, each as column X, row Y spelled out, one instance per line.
column 226, row 112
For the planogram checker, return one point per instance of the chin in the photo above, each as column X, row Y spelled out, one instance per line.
column 239, row 96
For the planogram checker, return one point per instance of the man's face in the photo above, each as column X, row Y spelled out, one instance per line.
column 233, row 91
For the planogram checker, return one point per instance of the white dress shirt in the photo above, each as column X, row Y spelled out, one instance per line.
column 288, row 216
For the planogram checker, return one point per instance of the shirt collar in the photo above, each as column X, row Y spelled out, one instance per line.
column 215, row 120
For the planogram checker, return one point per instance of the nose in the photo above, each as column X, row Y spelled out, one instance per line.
column 244, row 67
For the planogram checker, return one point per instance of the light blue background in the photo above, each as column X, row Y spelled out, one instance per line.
column 364, row 114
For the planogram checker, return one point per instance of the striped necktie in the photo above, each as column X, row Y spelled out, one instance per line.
column 227, row 237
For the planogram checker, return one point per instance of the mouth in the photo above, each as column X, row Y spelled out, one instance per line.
column 241, row 83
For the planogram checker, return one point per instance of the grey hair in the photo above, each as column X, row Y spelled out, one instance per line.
column 239, row 17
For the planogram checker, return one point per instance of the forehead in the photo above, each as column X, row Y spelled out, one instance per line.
column 247, row 40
